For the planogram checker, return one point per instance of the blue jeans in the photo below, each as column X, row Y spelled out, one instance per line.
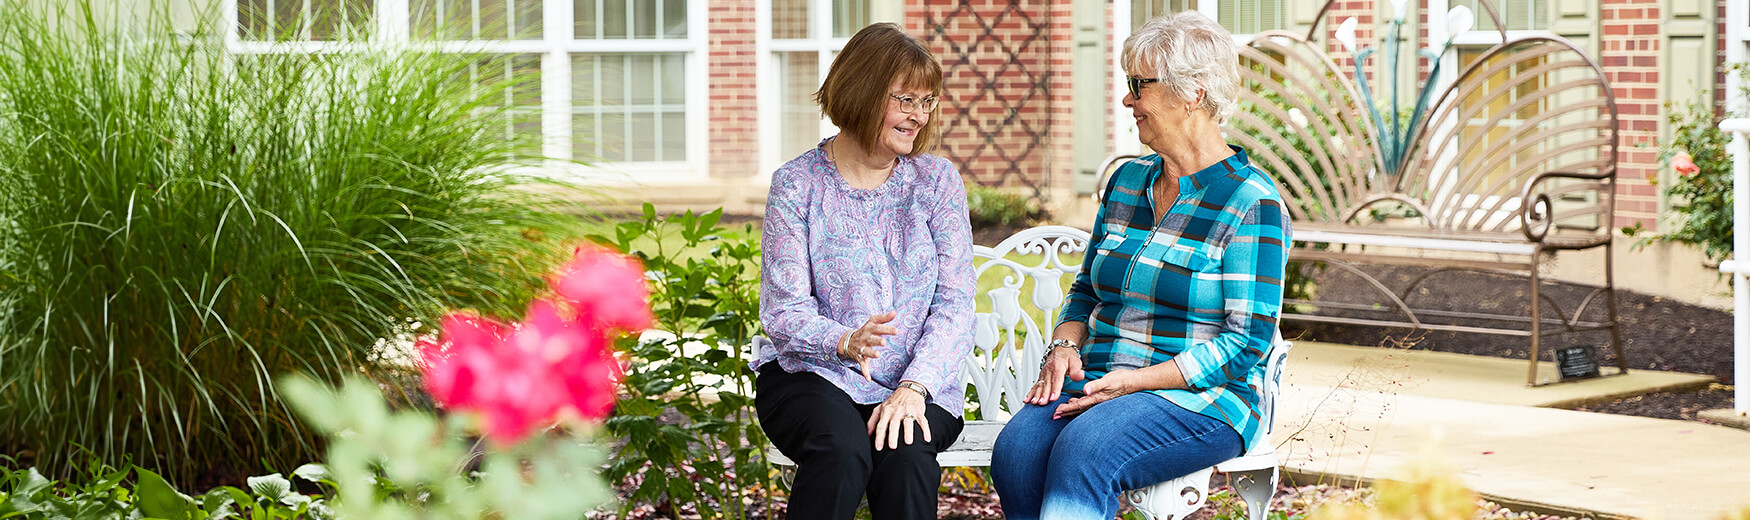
column 1074, row 468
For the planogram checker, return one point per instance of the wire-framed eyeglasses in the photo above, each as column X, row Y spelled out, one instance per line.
column 909, row 104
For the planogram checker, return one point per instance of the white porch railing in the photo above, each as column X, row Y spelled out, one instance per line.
column 1739, row 266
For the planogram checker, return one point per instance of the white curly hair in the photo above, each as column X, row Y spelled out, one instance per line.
column 1188, row 52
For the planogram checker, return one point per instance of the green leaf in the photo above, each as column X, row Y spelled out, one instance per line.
column 272, row 487
column 313, row 472
column 217, row 504
column 157, row 499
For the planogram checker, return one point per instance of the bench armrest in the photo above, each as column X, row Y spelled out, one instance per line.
column 1539, row 209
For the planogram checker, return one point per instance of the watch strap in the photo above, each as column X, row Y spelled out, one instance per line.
column 916, row 387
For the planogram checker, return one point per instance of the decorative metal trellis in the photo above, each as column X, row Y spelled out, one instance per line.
column 1006, row 146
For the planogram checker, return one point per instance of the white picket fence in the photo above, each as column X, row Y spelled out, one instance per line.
column 1739, row 266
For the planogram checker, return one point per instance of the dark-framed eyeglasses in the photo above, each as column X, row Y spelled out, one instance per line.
column 1136, row 84
column 909, row 104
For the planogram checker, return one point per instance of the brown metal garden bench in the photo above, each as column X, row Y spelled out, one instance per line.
column 1512, row 163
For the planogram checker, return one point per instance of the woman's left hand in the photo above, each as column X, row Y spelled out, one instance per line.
column 899, row 412
column 1113, row 384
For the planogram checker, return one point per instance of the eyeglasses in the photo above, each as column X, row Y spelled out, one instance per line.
column 909, row 104
column 1136, row 84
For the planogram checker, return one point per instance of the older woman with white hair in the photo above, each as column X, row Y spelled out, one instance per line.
column 1156, row 359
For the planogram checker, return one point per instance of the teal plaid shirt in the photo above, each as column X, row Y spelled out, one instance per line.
column 1203, row 289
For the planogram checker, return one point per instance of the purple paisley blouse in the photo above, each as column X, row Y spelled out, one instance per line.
column 835, row 255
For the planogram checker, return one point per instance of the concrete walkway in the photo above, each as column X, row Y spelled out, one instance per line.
column 1355, row 413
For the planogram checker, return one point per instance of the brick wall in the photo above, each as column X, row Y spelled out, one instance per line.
column 1006, row 87
column 733, row 100
column 1630, row 57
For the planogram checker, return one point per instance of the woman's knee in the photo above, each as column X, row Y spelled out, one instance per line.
column 913, row 458
column 837, row 448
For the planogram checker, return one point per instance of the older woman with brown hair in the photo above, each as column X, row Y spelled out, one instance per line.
column 866, row 291
column 1154, row 365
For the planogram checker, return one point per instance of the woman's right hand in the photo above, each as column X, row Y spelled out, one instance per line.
column 1060, row 363
column 859, row 344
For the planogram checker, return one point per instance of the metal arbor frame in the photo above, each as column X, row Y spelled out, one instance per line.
column 1513, row 161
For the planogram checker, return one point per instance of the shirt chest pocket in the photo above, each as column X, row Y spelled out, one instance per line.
column 1113, row 257
column 1179, row 257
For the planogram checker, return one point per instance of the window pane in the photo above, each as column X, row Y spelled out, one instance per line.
column 674, row 85
column 644, row 19
column 674, row 18
column 643, row 138
column 1252, row 16
column 642, row 69
column 302, row 20
column 848, row 17
column 1518, row 15
column 588, row 21
column 525, row 74
column 1141, row 11
column 613, row 80
column 339, row 19
column 612, row 138
column 613, row 19
column 790, row 19
column 527, row 15
column 253, row 20
column 798, row 78
column 584, row 136
column 674, row 136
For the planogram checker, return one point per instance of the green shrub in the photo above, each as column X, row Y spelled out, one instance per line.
column 992, row 207
column 1701, row 202
column 178, row 226
column 705, row 295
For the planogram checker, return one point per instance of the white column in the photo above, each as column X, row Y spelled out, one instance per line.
column 557, row 27
column 1739, row 266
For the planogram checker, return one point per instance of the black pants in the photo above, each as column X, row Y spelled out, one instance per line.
column 817, row 425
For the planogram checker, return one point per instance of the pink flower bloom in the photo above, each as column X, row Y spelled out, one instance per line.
column 1684, row 164
column 521, row 378
column 607, row 288
column 453, row 367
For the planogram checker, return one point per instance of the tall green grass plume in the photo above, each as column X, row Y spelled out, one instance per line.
column 181, row 224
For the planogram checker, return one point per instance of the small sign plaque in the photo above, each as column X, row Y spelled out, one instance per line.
column 1576, row 363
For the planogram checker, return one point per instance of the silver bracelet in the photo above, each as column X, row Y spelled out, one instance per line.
column 1061, row 343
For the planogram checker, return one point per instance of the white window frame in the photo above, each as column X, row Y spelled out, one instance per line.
column 767, row 79
column 556, row 46
column 1737, row 51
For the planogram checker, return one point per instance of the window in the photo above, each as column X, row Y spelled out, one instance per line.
column 299, row 20
column 1518, row 15
column 618, row 83
column 1479, row 130
column 1141, row 11
column 801, row 41
column 1252, row 16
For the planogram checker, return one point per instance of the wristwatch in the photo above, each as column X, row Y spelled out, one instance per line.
column 916, row 387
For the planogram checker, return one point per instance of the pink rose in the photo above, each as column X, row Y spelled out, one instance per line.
column 521, row 378
column 1684, row 164
column 607, row 288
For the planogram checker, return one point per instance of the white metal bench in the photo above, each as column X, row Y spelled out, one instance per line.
column 1010, row 341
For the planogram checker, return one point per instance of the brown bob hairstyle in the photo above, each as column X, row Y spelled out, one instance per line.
column 854, row 95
